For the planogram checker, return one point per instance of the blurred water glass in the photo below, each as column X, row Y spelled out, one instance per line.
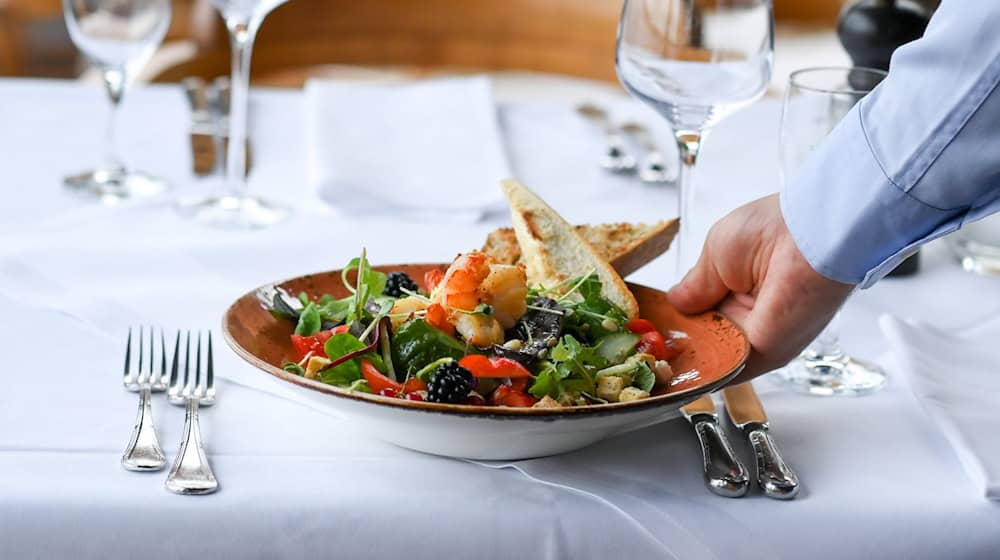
column 816, row 100
column 977, row 245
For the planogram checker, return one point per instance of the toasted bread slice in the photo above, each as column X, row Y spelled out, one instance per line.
column 552, row 250
column 628, row 247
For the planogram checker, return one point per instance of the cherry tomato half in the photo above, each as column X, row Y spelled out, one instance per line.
column 639, row 326
column 505, row 396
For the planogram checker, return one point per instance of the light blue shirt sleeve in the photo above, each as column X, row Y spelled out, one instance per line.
column 914, row 160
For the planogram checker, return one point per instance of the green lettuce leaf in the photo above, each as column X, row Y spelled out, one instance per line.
column 309, row 321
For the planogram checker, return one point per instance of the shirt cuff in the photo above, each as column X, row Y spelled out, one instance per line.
column 848, row 219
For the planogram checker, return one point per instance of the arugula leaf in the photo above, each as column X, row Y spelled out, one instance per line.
column 292, row 367
column 417, row 344
column 309, row 321
column 589, row 310
column 569, row 370
column 546, row 382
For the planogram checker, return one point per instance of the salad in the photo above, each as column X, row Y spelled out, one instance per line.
column 477, row 334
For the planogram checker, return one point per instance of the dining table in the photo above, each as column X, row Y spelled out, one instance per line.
column 879, row 479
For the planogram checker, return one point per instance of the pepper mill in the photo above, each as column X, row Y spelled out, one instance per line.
column 870, row 30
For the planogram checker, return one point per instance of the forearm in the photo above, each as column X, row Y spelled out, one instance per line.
column 914, row 160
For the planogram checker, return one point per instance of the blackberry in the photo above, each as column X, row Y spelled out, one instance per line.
column 450, row 384
column 396, row 282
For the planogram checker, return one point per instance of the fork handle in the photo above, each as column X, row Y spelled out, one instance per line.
column 775, row 478
column 724, row 473
column 143, row 452
column 191, row 473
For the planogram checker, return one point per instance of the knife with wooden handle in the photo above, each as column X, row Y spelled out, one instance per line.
column 725, row 475
column 774, row 476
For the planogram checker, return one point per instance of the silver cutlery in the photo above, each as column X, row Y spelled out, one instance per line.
column 724, row 473
column 616, row 157
column 653, row 166
column 143, row 452
column 774, row 476
column 191, row 472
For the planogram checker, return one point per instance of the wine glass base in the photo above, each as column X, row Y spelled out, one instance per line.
column 831, row 377
column 233, row 212
column 115, row 186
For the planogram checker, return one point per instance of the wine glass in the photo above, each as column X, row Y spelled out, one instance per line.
column 695, row 62
column 237, row 208
column 118, row 37
column 815, row 101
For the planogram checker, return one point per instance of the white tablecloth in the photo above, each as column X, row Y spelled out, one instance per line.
column 879, row 480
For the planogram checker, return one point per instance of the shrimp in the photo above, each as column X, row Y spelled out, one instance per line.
column 506, row 289
column 473, row 279
column 480, row 330
column 460, row 287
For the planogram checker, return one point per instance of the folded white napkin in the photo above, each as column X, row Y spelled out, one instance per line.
column 956, row 377
column 429, row 150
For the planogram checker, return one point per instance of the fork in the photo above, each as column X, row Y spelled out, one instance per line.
column 191, row 473
column 653, row 168
column 616, row 157
column 143, row 452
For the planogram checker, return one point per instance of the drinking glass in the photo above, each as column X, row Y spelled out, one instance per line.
column 118, row 37
column 695, row 62
column 815, row 101
column 237, row 208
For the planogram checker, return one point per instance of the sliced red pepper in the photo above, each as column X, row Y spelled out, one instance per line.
column 481, row 366
column 506, row 396
column 377, row 380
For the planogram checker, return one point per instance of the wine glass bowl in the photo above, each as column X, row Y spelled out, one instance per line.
column 695, row 63
column 816, row 100
column 118, row 37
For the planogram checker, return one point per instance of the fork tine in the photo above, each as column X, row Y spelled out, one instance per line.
column 163, row 361
column 197, row 367
column 174, row 388
column 128, row 352
column 152, row 354
column 187, row 365
column 210, row 374
column 142, row 347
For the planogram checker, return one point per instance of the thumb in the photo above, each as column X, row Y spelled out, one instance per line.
column 701, row 289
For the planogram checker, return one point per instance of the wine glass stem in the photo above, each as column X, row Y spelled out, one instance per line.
column 241, row 37
column 826, row 347
column 114, row 83
column 688, row 144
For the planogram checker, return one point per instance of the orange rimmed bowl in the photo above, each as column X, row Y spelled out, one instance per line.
column 716, row 349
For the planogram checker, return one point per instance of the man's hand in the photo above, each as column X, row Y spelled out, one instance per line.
column 751, row 268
